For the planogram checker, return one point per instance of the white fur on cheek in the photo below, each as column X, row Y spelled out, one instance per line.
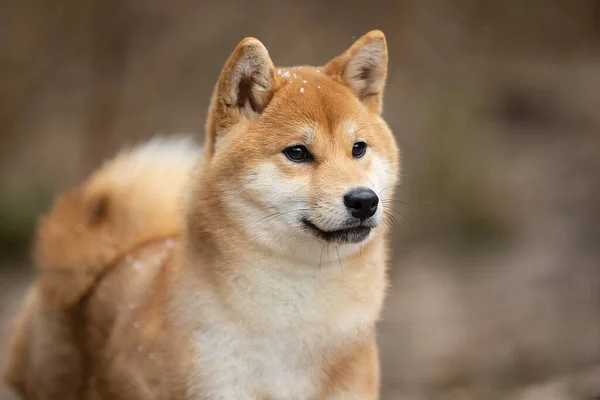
column 382, row 177
column 383, row 180
column 273, row 205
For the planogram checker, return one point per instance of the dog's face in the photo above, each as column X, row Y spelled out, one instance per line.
column 301, row 156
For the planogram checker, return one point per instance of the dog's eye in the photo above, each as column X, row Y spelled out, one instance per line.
column 359, row 149
column 298, row 154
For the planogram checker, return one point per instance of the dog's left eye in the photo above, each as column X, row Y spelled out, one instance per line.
column 359, row 149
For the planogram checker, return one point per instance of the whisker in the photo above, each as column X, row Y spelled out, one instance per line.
column 314, row 205
column 384, row 201
column 390, row 219
column 385, row 222
column 387, row 187
column 396, row 173
column 356, row 115
column 241, row 191
column 277, row 214
column 240, row 186
column 367, row 126
column 337, row 250
column 321, row 264
column 399, row 213
column 393, row 201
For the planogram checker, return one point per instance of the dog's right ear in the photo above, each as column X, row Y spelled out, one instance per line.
column 244, row 89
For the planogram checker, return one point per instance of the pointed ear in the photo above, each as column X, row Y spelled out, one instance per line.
column 244, row 89
column 363, row 68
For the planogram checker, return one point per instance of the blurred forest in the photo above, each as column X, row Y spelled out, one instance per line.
column 496, row 265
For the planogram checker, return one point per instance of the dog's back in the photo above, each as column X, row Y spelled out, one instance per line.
column 99, row 253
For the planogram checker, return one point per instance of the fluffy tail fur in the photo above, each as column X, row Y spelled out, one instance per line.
column 133, row 198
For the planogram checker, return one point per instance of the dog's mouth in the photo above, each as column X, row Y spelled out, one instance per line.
column 354, row 234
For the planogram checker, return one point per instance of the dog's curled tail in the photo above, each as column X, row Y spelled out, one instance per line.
column 132, row 198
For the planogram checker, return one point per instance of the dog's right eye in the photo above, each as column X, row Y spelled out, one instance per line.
column 298, row 154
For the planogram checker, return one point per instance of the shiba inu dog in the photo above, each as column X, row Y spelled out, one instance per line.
column 253, row 269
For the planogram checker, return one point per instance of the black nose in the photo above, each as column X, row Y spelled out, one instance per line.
column 361, row 202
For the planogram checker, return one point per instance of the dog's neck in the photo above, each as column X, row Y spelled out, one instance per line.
column 264, row 288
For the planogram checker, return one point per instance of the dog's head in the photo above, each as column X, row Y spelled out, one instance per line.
column 299, row 157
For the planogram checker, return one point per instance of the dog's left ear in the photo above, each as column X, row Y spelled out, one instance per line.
column 363, row 68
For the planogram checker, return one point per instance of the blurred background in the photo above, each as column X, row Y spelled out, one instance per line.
column 495, row 260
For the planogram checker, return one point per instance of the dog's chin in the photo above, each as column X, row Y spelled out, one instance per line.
column 353, row 234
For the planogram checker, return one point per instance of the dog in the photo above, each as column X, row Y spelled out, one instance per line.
column 253, row 268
